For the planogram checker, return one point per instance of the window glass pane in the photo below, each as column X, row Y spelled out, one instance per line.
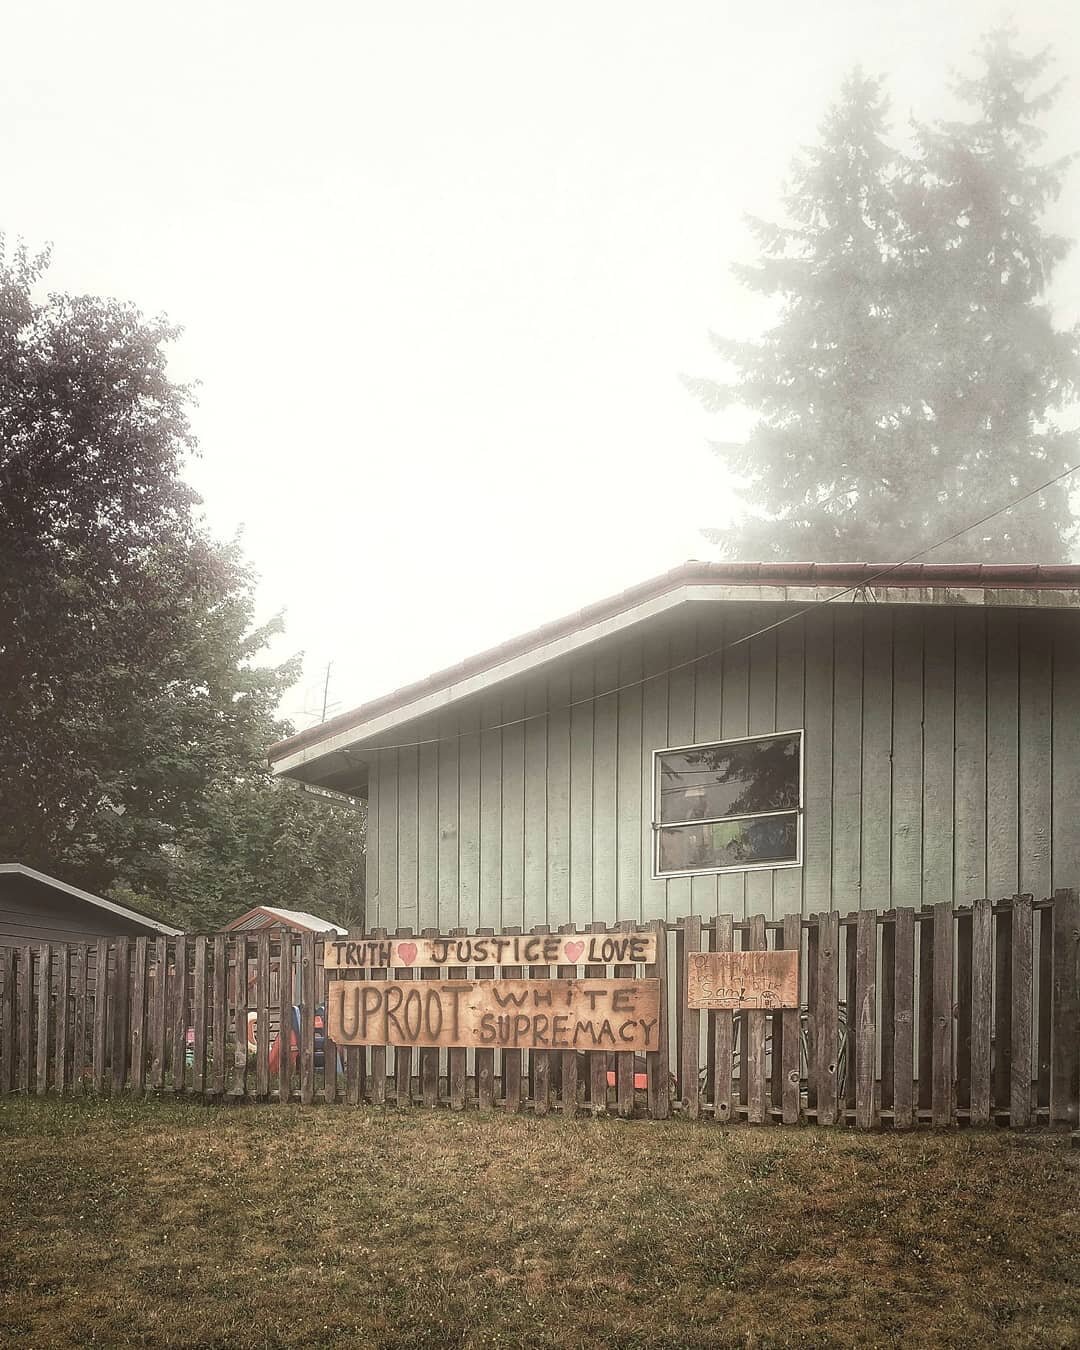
column 729, row 843
column 729, row 780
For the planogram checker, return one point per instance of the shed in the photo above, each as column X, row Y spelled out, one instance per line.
column 39, row 908
column 269, row 916
column 730, row 738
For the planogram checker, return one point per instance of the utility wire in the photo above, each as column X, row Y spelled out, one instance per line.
column 862, row 585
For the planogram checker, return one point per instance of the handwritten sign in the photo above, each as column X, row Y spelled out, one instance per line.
column 742, row 979
column 553, row 949
column 516, row 1014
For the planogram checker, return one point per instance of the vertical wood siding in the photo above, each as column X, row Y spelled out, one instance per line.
column 942, row 763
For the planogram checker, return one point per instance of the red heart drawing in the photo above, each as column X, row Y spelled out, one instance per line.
column 573, row 950
column 407, row 952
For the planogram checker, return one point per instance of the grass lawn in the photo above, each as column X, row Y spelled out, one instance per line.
column 149, row 1223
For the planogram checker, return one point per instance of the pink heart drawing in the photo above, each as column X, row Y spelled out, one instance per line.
column 573, row 950
column 407, row 952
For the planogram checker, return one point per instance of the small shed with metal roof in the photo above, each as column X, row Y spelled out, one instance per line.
column 270, row 916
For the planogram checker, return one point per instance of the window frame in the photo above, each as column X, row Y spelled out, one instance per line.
column 656, row 825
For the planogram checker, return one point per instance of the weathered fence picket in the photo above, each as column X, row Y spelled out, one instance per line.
column 934, row 1016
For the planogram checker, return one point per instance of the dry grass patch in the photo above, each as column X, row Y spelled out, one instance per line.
column 156, row 1223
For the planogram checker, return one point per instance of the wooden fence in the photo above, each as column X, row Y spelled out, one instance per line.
column 936, row 1016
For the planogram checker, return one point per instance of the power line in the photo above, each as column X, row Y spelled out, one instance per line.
column 862, row 585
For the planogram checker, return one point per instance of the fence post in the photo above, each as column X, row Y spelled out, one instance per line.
column 568, row 1075
column 511, row 1059
column 982, row 987
column 101, row 1003
column 78, row 1049
column 484, row 1059
column 179, row 1027
column 118, row 1014
column 757, row 1088
column 624, row 1063
column 220, row 996
column 691, row 1022
column 963, row 1010
column 429, row 1057
column 402, row 1053
column 660, row 1075
column 138, row 1019
column 790, row 1018
column 63, row 1012
column 43, row 996
column 285, row 1015
column 813, row 971
column 262, row 1013
column 942, row 1092
column 157, row 1014
column 198, row 1056
column 355, row 1055
column 828, row 1034
column 1003, row 979
column 26, row 994
column 597, row 1059
column 378, row 1052
column 1020, row 1084
column 307, row 1019
column 7, row 1021
column 1065, row 1028
column 866, row 1115
column 723, row 1028
column 539, row 1060
column 926, row 1009
column 903, row 1082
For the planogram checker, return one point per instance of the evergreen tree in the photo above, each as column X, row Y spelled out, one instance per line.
column 991, row 367
column 909, row 381
column 823, row 379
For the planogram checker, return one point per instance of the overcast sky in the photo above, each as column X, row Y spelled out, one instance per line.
column 440, row 267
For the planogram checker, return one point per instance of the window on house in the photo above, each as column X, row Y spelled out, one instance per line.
column 728, row 806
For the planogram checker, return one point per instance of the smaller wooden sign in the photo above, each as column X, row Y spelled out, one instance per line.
column 528, row 949
column 743, row 979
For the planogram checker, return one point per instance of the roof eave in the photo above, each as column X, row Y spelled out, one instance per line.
column 342, row 751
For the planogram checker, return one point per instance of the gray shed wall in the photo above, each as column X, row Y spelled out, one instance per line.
column 33, row 912
column 942, row 762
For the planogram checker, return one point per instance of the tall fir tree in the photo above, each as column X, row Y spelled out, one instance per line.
column 909, row 383
column 992, row 370
column 823, row 380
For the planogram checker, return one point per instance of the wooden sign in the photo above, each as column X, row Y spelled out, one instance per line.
column 743, row 979
column 516, row 1014
column 552, row 949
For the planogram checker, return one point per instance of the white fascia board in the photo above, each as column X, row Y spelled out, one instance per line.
column 693, row 593
column 521, row 664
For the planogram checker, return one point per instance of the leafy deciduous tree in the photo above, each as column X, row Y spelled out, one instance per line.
column 133, row 711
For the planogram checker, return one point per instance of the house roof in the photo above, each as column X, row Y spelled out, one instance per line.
column 293, row 918
column 121, row 911
column 1011, row 584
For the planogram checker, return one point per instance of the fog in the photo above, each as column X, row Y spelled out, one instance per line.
column 440, row 269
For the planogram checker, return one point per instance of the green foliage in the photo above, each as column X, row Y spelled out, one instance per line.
column 910, row 381
column 263, row 842
column 133, row 711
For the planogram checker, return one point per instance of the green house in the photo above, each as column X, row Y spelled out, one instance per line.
column 733, row 738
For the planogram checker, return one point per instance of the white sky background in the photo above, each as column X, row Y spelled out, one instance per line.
column 440, row 267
